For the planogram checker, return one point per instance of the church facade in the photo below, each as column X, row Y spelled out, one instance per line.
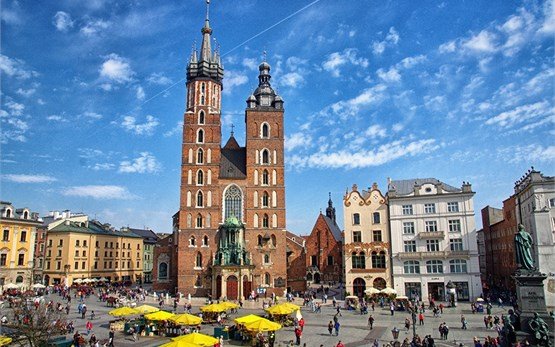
column 230, row 232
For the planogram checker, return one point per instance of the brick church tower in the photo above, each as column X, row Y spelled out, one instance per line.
column 230, row 228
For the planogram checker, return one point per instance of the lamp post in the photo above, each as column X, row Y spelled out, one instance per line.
column 414, row 323
column 395, row 333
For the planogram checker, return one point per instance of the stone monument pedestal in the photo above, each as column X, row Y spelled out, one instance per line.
column 531, row 299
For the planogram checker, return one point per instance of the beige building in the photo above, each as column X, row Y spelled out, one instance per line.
column 18, row 228
column 366, row 249
column 79, row 248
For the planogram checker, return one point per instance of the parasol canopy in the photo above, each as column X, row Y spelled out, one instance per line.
column 280, row 310
column 479, row 300
column 180, row 344
column 388, row 291
column 160, row 315
column 5, row 340
column 103, row 279
column 371, row 291
column 11, row 286
column 229, row 305
column 197, row 338
column 186, row 319
column 214, row 308
column 401, row 297
column 38, row 286
column 263, row 325
column 123, row 311
column 247, row 319
column 78, row 281
column 144, row 309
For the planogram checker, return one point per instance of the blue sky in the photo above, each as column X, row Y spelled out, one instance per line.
column 93, row 97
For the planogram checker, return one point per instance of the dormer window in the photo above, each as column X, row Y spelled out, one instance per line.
column 8, row 213
column 25, row 215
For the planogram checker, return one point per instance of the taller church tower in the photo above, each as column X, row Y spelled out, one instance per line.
column 230, row 228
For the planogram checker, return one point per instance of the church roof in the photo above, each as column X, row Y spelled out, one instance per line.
column 232, row 143
column 333, row 228
column 233, row 162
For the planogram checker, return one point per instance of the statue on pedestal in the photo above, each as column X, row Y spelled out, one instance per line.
column 540, row 330
column 523, row 249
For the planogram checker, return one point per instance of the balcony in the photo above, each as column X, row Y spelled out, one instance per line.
column 431, row 235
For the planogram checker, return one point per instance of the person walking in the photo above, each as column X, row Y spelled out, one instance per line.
column 463, row 322
column 89, row 327
column 421, row 318
column 440, row 329
column 338, row 308
column 111, row 335
column 407, row 324
column 330, row 327
column 445, row 330
column 298, row 334
column 371, row 322
column 336, row 327
column 340, row 344
column 272, row 338
column 301, row 323
column 392, row 308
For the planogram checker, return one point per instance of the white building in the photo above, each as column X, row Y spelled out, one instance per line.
column 433, row 239
column 535, row 209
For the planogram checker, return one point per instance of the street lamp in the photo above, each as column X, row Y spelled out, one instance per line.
column 414, row 323
column 395, row 333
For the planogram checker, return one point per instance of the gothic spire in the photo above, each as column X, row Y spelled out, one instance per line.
column 330, row 211
column 205, row 49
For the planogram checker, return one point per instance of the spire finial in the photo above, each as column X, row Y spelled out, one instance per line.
column 207, row 9
column 264, row 55
column 232, row 127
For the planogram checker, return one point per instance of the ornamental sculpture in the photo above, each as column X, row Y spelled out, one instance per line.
column 523, row 249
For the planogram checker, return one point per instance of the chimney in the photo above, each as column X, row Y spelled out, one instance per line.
column 466, row 187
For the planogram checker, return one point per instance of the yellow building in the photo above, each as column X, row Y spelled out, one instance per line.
column 83, row 249
column 17, row 242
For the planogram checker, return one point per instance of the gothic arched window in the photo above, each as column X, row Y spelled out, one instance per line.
column 200, row 199
column 163, row 271
column 199, row 221
column 265, row 156
column 265, row 133
column 265, row 221
column 232, row 202
column 200, row 136
column 201, row 117
column 265, row 179
column 198, row 262
column 265, row 199
column 200, row 156
column 200, row 177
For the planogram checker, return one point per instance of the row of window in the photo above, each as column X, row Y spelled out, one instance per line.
column 376, row 218
column 431, row 208
column 435, row 266
column 22, row 235
column 203, row 97
column 376, row 236
column 8, row 214
column 107, row 265
column 433, row 245
column 359, row 260
column 20, row 259
column 84, row 254
column 97, row 244
column 314, row 260
column 454, row 226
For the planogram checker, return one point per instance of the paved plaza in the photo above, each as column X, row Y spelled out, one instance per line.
column 354, row 329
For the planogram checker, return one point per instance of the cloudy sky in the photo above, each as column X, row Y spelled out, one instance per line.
column 93, row 97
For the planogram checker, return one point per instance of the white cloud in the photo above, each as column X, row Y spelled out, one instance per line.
column 175, row 130
column 548, row 26
column 410, row 62
column 448, row 47
column 233, row 79
column 348, row 108
column 41, row 102
column 11, row 15
column 26, row 92
column 145, row 163
column 15, row 108
column 159, row 79
column 116, row 69
column 392, row 75
column 140, row 93
column 336, row 60
column 375, row 131
column 56, row 118
column 15, row 68
column 391, row 39
column 92, row 115
column 99, row 192
column 250, row 63
column 529, row 153
column 21, row 178
column 435, row 103
column 62, row 21
column 292, row 79
column 94, row 26
column 130, row 124
column 102, row 166
column 484, row 42
column 397, row 127
column 364, row 158
column 106, row 87
column 522, row 114
column 297, row 140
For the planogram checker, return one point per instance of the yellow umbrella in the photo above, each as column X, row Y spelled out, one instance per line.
column 4, row 340
column 160, row 315
column 144, row 309
column 180, row 344
column 247, row 319
column 198, row 339
column 263, row 325
column 123, row 311
column 186, row 319
column 229, row 305
column 214, row 308
column 280, row 310
column 293, row 306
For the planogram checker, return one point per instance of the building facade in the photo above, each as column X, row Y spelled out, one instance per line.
column 324, row 250
column 164, row 275
column 82, row 248
column 498, row 228
column 433, row 239
column 231, row 221
column 149, row 242
column 535, row 209
column 296, row 263
column 17, row 245
column 367, row 250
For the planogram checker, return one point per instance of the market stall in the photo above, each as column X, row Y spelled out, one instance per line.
column 119, row 324
column 351, row 302
column 197, row 339
column 280, row 313
column 210, row 312
column 157, row 324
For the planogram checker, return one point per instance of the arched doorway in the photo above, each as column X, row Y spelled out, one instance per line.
column 19, row 279
column 309, row 277
column 359, row 286
column 218, row 287
column 232, row 288
column 317, row 278
column 247, row 287
column 379, row 283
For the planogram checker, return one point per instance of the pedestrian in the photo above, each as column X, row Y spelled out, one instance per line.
column 111, row 335
column 445, row 330
column 440, row 329
column 441, row 308
column 392, row 308
column 298, row 334
column 338, row 309
column 336, row 327
column 301, row 324
column 421, row 318
column 463, row 322
column 340, row 344
column 330, row 327
column 376, row 343
column 272, row 339
column 407, row 324
column 89, row 327
column 486, row 323
column 371, row 322
column 83, row 311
